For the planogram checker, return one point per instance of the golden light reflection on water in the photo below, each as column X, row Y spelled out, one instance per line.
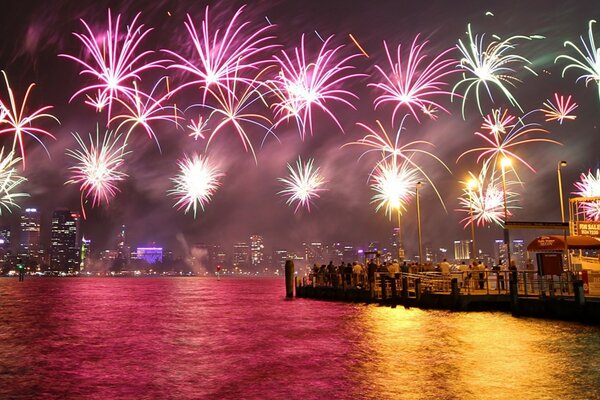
column 416, row 354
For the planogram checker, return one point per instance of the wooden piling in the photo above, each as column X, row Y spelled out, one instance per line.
column 289, row 278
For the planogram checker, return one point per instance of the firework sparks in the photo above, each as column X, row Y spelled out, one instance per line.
column 223, row 54
column 498, row 122
column 589, row 186
column 590, row 63
column 98, row 167
column 303, row 184
column 394, row 185
column 9, row 180
column 414, row 83
column 19, row 123
column 114, row 62
column 560, row 110
column 489, row 66
column 499, row 145
column 143, row 111
column 233, row 103
column 486, row 199
column 198, row 128
column 304, row 83
column 196, row 183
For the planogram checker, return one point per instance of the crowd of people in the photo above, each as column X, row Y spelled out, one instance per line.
column 472, row 275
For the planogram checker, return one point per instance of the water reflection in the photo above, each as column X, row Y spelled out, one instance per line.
column 187, row 338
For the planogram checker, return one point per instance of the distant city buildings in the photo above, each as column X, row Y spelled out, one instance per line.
column 462, row 250
column 29, row 245
column 64, row 241
column 257, row 248
column 151, row 255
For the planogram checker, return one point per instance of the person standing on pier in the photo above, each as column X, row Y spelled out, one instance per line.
column 445, row 267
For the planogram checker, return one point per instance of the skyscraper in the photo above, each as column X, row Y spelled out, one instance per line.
column 462, row 250
column 257, row 248
column 64, row 241
column 241, row 254
column 29, row 246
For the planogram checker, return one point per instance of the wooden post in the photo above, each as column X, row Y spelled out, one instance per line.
column 579, row 293
column 404, row 293
column 454, row 291
column 383, row 291
column 514, row 292
column 417, row 288
column 289, row 278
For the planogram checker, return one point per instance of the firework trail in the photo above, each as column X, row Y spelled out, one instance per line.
column 560, row 110
column 413, row 84
column 306, row 82
column 222, row 54
column 489, row 67
column 233, row 103
column 197, row 181
column 394, row 185
column 500, row 145
column 486, row 199
column 9, row 180
column 113, row 61
column 589, row 63
column 589, row 186
column 19, row 123
column 303, row 184
column 142, row 109
column 98, row 167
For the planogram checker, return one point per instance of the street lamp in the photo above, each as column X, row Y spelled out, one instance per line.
column 400, row 244
column 419, row 185
column 504, row 163
column 560, row 193
column 472, row 185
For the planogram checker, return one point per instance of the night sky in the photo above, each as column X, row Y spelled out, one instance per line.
column 34, row 33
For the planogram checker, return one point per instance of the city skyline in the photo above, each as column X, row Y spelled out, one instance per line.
column 247, row 201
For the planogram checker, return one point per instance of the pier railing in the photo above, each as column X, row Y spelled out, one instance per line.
column 472, row 282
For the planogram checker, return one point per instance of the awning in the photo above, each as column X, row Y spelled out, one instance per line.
column 557, row 243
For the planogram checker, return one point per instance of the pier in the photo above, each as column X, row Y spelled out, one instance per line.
column 523, row 293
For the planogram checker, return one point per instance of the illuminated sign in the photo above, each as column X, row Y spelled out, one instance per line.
column 588, row 228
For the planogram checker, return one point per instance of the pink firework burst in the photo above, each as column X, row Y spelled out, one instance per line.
column 234, row 98
column 498, row 122
column 303, row 184
column 305, row 82
column 142, row 109
column 414, row 83
column 589, row 186
column 503, row 145
column 197, row 129
column 19, row 123
column 222, row 54
column 560, row 110
column 98, row 168
column 112, row 59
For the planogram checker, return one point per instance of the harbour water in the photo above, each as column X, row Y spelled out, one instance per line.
column 199, row 338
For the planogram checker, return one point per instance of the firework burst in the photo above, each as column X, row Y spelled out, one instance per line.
column 114, row 61
column 196, row 183
column 303, row 184
column 413, row 84
column 589, row 62
column 486, row 200
column 9, row 180
column 98, row 167
column 489, row 67
column 222, row 54
column 499, row 145
column 394, row 185
column 498, row 122
column 198, row 128
column 306, row 82
column 589, row 186
column 560, row 110
column 19, row 123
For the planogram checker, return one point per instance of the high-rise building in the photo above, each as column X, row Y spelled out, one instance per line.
column 257, row 248
column 241, row 254
column 64, row 241
column 314, row 253
column 151, row 255
column 29, row 246
column 462, row 250
column 5, row 238
column 280, row 256
column 499, row 251
column 84, row 253
column 517, row 253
